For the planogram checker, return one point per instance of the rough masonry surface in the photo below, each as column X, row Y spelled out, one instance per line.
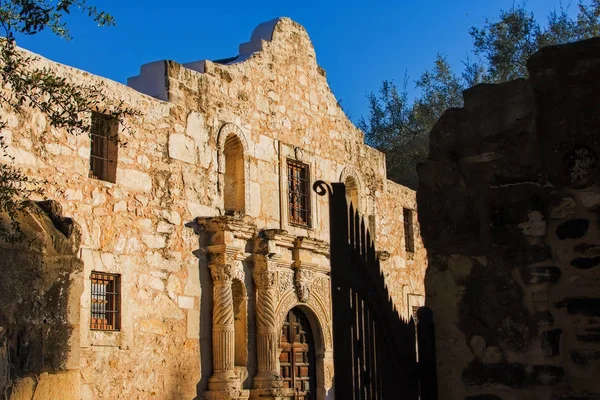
column 509, row 203
column 190, row 240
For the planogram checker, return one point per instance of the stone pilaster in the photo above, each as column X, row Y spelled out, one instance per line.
column 223, row 329
column 228, row 235
column 268, row 332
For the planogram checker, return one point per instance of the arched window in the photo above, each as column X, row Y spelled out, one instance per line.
column 352, row 191
column 234, row 185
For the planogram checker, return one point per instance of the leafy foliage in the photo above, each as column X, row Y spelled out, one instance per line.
column 500, row 51
column 26, row 85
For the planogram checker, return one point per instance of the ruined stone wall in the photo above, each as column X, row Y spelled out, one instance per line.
column 509, row 202
column 39, row 319
column 171, row 173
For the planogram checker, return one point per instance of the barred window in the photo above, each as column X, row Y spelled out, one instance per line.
column 106, row 301
column 298, row 193
column 103, row 155
column 409, row 232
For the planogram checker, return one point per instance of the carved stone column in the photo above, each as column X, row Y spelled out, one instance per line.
column 223, row 329
column 267, row 335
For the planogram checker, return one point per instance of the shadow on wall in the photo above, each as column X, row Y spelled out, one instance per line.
column 39, row 291
column 206, row 305
column 509, row 208
column 330, row 395
column 244, row 314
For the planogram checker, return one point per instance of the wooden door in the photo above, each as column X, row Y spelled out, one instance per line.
column 297, row 359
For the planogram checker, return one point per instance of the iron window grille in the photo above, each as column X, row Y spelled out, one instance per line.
column 103, row 155
column 409, row 234
column 106, row 301
column 298, row 193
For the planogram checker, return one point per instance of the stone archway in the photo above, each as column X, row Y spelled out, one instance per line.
column 319, row 326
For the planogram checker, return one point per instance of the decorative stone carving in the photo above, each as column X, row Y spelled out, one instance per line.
column 266, row 322
column 286, row 281
column 221, row 272
column 264, row 274
column 318, row 307
column 303, row 282
column 224, row 268
column 290, row 300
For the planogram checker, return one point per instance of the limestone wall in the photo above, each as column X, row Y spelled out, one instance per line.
column 171, row 172
column 279, row 99
column 509, row 203
column 134, row 227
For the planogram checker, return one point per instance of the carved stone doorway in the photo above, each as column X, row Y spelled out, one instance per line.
column 297, row 358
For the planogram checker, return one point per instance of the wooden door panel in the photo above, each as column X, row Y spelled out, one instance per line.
column 297, row 358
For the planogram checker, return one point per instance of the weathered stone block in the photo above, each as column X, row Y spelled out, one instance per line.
column 585, row 358
column 573, row 229
column 193, row 324
column 182, row 147
column 586, row 263
column 533, row 275
column 551, row 342
column 134, row 179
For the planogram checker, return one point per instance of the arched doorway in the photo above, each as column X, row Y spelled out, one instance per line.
column 297, row 359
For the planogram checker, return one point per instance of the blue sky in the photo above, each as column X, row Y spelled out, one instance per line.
column 358, row 43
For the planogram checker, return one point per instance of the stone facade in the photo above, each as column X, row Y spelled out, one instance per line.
column 197, row 222
column 509, row 202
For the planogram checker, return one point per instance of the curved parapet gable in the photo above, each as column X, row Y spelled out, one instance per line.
column 275, row 77
column 262, row 33
column 280, row 35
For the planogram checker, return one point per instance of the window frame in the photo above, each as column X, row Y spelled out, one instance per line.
column 104, row 130
column 296, row 208
column 110, row 301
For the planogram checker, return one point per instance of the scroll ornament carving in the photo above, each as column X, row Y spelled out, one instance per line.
column 303, row 281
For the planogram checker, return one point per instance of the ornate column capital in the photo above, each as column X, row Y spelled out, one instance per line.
column 225, row 267
column 264, row 271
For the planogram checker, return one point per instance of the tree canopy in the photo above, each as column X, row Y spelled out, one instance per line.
column 501, row 47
